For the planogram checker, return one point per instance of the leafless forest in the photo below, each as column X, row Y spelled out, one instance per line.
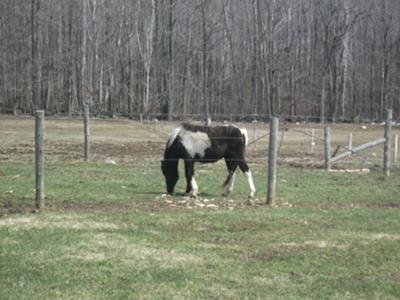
column 330, row 59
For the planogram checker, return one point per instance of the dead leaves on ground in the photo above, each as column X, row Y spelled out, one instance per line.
column 206, row 203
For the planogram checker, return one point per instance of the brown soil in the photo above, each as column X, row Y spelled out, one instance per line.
column 126, row 141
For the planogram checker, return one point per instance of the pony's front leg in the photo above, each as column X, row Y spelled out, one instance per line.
column 191, row 184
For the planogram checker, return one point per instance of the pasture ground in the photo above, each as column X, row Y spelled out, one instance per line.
column 109, row 233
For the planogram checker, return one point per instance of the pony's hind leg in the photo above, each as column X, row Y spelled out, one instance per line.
column 230, row 180
column 246, row 170
column 191, row 184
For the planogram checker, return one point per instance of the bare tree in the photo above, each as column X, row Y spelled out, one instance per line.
column 145, row 45
column 328, row 59
column 35, row 55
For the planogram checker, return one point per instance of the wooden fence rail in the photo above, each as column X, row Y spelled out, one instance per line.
column 386, row 141
column 358, row 149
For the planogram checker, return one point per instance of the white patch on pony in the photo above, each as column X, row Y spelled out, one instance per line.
column 195, row 188
column 251, row 183
column 195, row 142
column 175, row 132
column 231, row 184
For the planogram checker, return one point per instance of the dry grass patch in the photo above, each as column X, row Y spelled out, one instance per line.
column 313, row 244
column 127, row 253
column 55, row 222
column 380, row 236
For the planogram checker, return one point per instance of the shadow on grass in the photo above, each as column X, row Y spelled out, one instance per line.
column 177, row 194
column 148, row 193
column 9, row 208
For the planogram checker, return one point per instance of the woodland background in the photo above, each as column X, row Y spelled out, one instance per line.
column 331, row 59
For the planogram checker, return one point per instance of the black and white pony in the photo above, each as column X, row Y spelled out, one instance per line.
column 205, row 145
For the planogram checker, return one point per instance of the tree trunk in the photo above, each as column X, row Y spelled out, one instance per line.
column 346, row 62
column 35, row 56
column 204, row 11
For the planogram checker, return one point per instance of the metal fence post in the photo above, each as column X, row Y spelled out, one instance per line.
column 388, row 142
column 272, row 158
column 328, row 150
column 39, row 159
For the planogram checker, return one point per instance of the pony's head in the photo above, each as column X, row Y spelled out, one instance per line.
column 170, row 171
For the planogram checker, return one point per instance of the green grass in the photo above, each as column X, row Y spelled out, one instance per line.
column 109, row 234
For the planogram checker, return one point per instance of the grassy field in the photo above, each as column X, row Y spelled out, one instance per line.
column 109, row 233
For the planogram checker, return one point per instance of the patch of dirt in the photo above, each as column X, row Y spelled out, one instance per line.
column 127, row 152
column 187, row 202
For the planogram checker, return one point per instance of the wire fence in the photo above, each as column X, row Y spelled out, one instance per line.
column 143, row 144
column 294, row 140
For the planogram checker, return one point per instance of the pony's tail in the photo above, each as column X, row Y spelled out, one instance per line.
column 245, row 136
